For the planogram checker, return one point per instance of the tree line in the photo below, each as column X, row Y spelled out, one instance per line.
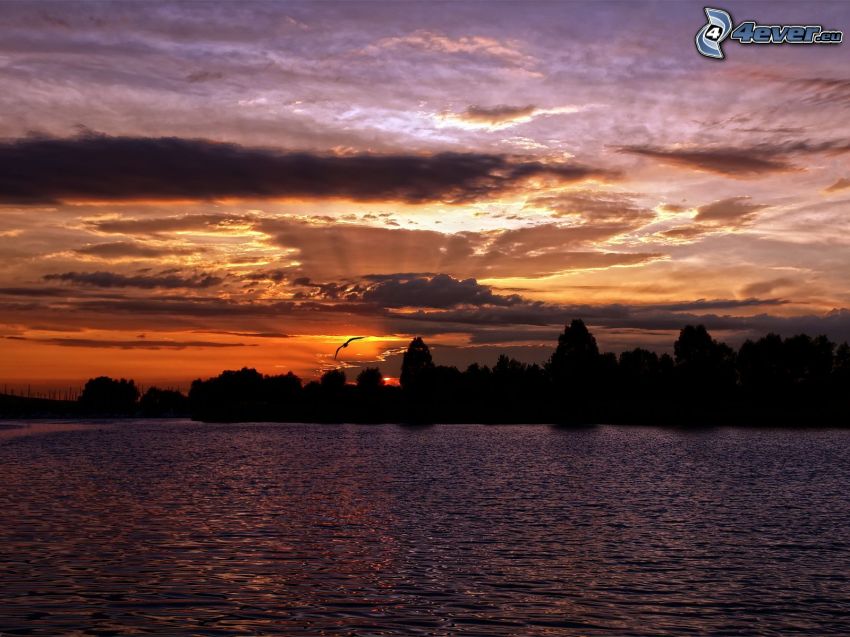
column 800, row 380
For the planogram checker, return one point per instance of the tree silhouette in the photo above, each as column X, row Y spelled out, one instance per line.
column 332, row 382
column 282, row 390
column 841, row 368
column 163, row 403
column 576, row 355
column 770, row 380
column 574, row 371
column 416, row 360
column 370, row 380
column 704, row 367
column 106, row 396
column 761, row 365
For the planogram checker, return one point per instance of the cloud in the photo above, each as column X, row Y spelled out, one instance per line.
column 103, row 168
column 835, row 324
column 335, row 251
column 722, row 215
column 141, row 343
column 405, row 290
column 537, row 313
column 500, row 117
column 188, row 307
column 537, row 241
column 514, row 335
column 438, row 291
column 474, row 45
column 731, row 211
column 822, row 90
column 274, row 276
column 739, row 163
column 158, row 225
column 716, row 304
column 645, row 319
column 596, row 206
column 247, row 334
column 497, row 114
column 113, row 280
column 132, row 249
column 687, row 232
column 766, row 287
column 424, row 304
column 204, row 76
column 24, row 291
column 841, row 184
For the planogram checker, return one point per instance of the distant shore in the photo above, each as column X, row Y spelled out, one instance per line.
column 794, row 381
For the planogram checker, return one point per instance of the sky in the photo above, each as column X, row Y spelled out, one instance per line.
column 192, row 187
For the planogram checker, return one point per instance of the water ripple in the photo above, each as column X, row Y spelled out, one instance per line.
column 172, row 527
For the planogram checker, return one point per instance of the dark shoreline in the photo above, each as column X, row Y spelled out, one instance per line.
column 774, row 382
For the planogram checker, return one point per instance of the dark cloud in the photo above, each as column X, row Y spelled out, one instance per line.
column 132, row 249
column 247, row 334
column 274, row 276
column 536, row 313
column 141, row 343
column 496, row 114
column 23, row 291
column 731, row 211
column 438, row 291
column 397, row 275
column 332, row 291
column 642, row 319
column 514, row 335
column 529, row 313
column 114, row 280
column 742, row 162
column 158, row 225
column 835, row 324
column 209, row 308
column 730, row 162
column 484, row 322
column 403, row 290
column 716, row 304
column 103, row 168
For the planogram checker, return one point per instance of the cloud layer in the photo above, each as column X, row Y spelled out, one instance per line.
column 104, row 168
column 477, row 176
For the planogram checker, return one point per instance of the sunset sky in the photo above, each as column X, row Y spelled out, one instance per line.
column 187, row 188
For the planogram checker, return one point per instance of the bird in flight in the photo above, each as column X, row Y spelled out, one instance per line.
column 344, row 345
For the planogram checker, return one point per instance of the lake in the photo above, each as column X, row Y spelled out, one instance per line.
column 173, row 527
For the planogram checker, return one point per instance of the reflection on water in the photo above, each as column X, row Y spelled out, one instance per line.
column 15, row 429
column 180, row 528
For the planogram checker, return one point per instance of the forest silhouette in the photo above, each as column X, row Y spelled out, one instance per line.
column 798, row 380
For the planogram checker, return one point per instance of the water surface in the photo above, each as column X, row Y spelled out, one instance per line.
column 172, row 527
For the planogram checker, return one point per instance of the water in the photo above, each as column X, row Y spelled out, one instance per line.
column 173, row 527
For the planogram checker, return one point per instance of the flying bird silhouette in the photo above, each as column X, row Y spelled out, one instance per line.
column 344, row 345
